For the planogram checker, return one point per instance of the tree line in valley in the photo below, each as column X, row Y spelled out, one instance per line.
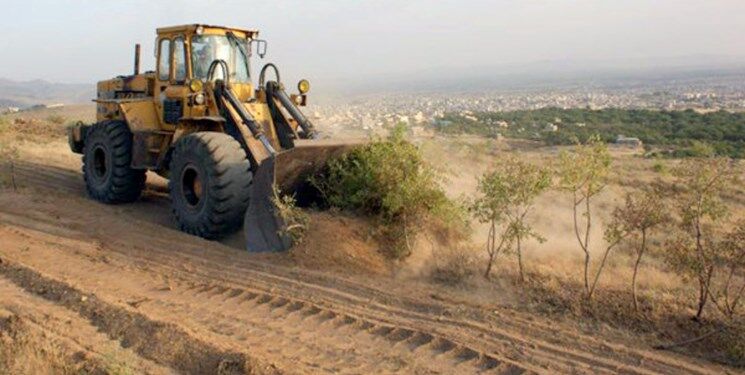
column 672, row 133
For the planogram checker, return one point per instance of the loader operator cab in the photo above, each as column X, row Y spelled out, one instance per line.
column 184, row 55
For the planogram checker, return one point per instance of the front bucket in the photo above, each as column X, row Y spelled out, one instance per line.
column 262, row 226
column 308, row 157
column 289, row 172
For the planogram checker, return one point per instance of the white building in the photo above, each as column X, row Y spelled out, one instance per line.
column 8, row 110
column 628, row 141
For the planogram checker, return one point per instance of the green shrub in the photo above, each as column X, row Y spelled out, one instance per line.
column 697, row 149
column 390, row 180
column 659, row 167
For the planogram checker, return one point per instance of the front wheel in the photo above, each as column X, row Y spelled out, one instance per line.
column 209, row 184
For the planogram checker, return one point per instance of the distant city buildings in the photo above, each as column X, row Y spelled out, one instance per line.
column 375, row 113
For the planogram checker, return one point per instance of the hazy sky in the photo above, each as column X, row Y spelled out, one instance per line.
column 84, row 41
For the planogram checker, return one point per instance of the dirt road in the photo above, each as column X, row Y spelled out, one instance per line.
column 176, row 303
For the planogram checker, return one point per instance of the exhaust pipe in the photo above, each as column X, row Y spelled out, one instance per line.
column 137, row 59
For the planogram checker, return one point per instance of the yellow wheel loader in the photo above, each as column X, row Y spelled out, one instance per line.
column 224, row 143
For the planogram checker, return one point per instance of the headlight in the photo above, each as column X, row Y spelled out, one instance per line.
column 195, row 85
column 303, row 86
column 199, row 99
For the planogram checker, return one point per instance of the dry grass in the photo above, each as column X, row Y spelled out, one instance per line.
column 44, row 125
column 553, row 289
column 56, row 119
column 453, row 267
column 29, row 136
column 664, row 316
column 39, row 131
column 20, row 353
column 25, row 350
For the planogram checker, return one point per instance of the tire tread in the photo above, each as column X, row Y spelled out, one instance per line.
column 229, row 177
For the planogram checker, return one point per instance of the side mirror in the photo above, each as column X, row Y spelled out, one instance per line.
column 260, row 47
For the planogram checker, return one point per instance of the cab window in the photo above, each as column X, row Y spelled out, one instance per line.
column 207, row 48
column 164, row 59
column 179, row 60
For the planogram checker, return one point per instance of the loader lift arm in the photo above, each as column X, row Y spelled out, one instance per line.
column 263, row 227
column 275, row 171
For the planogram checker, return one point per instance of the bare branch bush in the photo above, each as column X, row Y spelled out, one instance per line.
column 295, row 219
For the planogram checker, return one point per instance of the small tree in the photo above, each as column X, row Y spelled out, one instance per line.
column 731, row 257
column 490, row 208
column 700, row 185
column 507, row 195
column 613, row 234
column 643, row 211
column 583, row 173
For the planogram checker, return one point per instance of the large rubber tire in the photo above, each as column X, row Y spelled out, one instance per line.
column 107, row 156
column 209, row 184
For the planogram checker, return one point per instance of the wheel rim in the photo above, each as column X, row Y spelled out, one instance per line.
column 100, row 167
column 191, row 186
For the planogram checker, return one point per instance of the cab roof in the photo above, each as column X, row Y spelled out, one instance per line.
column 192, row 28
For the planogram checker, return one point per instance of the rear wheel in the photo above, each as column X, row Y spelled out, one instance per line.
column 209, row 184
column 107, row 156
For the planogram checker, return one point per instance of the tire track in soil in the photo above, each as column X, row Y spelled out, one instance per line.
column 301, row 333
column 61, row 336
column 160, row 342
column 298, row 320
column 551, row 352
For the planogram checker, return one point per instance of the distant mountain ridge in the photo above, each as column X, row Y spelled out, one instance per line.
column 28, row 93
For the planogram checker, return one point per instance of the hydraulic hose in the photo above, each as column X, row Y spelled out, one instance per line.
column 275, row 89
column 263, row 73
